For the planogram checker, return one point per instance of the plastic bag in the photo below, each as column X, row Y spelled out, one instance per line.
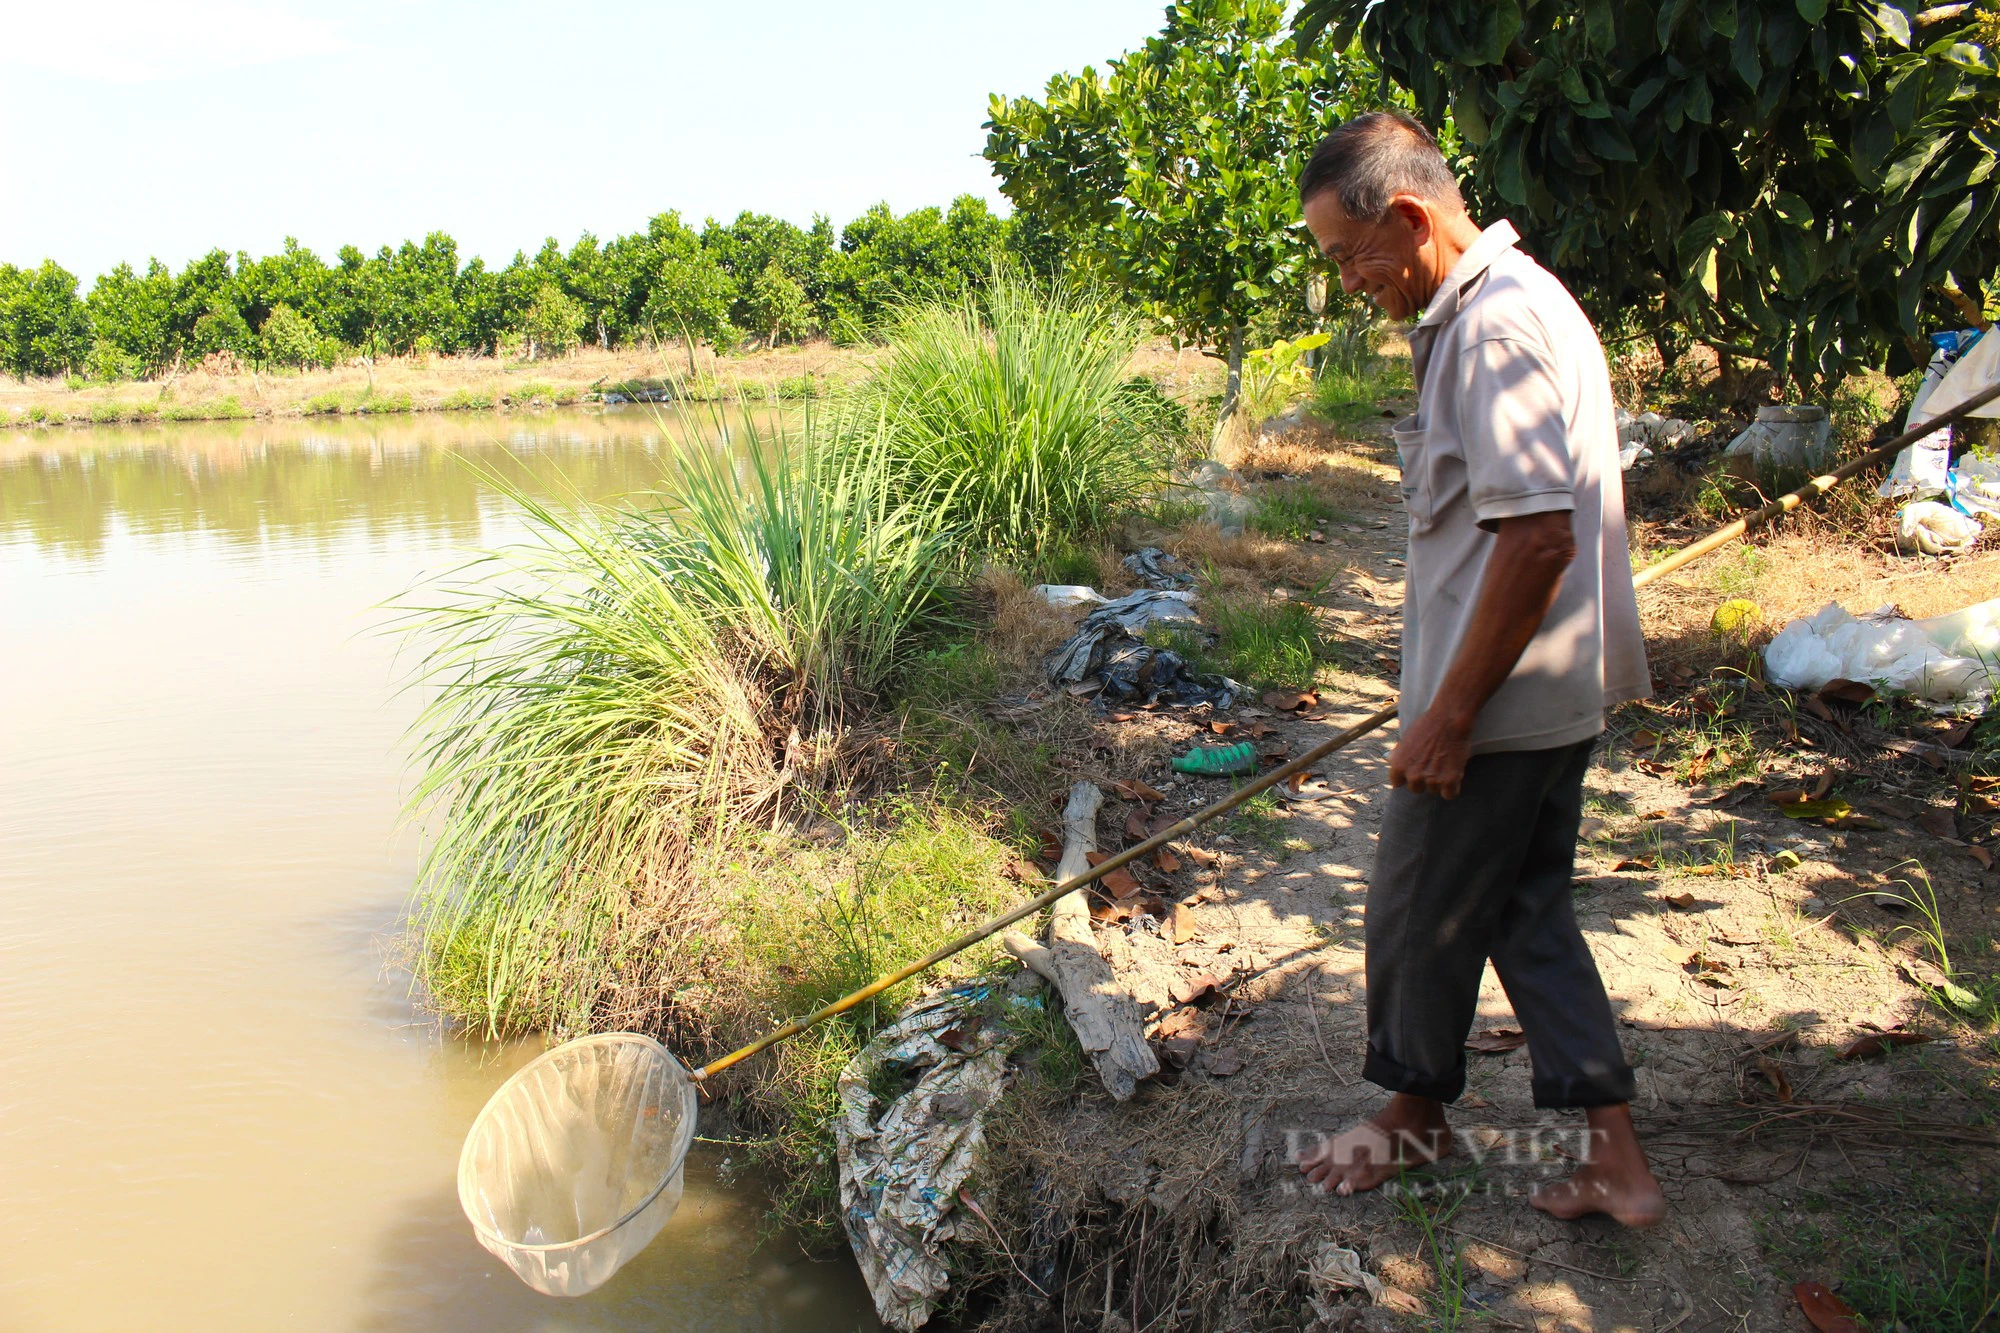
column 1922, row 468
column 1935, row 529
column 1783, row 438
column 1944, row 658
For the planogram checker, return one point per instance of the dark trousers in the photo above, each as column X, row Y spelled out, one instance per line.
column 1487, row 875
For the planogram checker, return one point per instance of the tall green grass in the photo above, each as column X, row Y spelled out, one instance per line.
column 1011, row 415
column 628, row 686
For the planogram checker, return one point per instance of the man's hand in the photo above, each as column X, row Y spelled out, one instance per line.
column 1430, row 757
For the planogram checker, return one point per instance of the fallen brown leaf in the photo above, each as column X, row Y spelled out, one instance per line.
column 1824, row 1310
column 1656, row 814
column 1182, row 1023
column 1496, row 1041
column 1774, row 1074
column 1959, row 734
column 1195, row 988
column 1789, row 796
column 1135, row 790
column 1938, row 823
column 1290, row 701
column 1682, row 900
column 1222, row 728
column 1869, row 1045
column 1119, row 883
column 1106, row 912
column 1645, row 738
column 1846, row 691
column 1981, row 855
column 1632, row 863
column 1180, row 1050
column 1202, row 857
column 1135, row 825
column 1224, row 1061
column 1165, row 861
column 1822, row 788
column 1180, row 924
column 1259, row 730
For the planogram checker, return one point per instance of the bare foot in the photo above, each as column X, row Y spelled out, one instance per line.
column 1409, row 1131
column 1614, row 1180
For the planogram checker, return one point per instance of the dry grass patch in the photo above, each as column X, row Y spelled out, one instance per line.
column 1251, row 565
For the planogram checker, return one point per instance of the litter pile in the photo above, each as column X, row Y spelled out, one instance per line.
column 901, row 1168
column 1640, row 437
column 1108, row 654
column 1943, row 659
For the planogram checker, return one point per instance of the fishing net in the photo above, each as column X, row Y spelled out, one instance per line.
column 575, row 1164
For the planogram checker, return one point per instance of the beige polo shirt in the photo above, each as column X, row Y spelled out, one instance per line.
column 1515, row 417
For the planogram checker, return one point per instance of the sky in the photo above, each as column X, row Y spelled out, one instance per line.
column 136, row 128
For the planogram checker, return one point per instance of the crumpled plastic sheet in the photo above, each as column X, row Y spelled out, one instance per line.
column 1639, row 436
column 901, row 1168
column 1108, row 649
column 1335, row 1269
column 1943, row 659
column 1156, row 569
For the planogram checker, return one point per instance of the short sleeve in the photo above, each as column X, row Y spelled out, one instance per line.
column 1513, row 432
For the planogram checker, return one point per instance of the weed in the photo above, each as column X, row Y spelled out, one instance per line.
column 466, row 400
column 1448, row 1307
column 1260, row 820
column 530, row 391
column 372, row 404
column 1738, row 571
column 1010, row 416
column 1949, row 994
column 322, row 405
column 1292, row 512
column 1263, row 643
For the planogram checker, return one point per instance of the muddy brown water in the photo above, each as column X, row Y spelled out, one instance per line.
column 220, row 1108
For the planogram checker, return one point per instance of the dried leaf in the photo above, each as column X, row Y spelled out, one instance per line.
column 1633, row 863
column 1824, row 1310
column 1656, row 768
column 1202, row 857
column 1195, row 988
column 1846, row 691
column 1180, row 924
column 1051, row 848
column 1790, row 796
column 1165, row 861
column 1180, row 1050
column 1981, row 855
column 1222, row 728
column 1958, row 735
column 1291, row 701
column 1645, row 738
column 1496, row 1041
column 1259, row 730
column 1274, row 749
column 1869, row 1045
column 1119, row 883
column 1938, row 823
column 1182, row 1023
column 1224, row 1061
column 1682, row 900
column 1105, row 912
column 1822, row 788
column 1135, row 790
column 1656, row 814
column 1774, row 1074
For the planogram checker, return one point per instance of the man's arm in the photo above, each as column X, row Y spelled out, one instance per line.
column 1522, row 575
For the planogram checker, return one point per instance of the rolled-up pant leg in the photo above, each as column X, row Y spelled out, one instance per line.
column 1487, row 874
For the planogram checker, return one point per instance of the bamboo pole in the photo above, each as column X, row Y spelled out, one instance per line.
column 1728, row 532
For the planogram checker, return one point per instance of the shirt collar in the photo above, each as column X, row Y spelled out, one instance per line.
column 1493, row 242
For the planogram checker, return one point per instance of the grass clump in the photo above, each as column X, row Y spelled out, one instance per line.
column 466, row 400
column 1292, row 512
column 630, row 687
column 1264, row 642
column 1010, row 415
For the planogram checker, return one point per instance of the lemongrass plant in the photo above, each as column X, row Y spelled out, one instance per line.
column 1010, row 413
column 626, row 686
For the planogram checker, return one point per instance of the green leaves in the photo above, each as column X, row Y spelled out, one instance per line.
column 1794, row 176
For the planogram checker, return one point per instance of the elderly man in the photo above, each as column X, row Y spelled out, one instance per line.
column 1519, row 630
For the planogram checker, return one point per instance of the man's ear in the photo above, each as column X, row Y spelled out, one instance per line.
column 1413, row 213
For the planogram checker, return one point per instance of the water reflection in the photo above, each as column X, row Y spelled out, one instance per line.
column 218, row 1109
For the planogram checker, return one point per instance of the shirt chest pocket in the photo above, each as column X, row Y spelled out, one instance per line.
column 1414, row 457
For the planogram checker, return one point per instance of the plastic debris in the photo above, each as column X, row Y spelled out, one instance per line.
column 1786, row 437
column 1062, row 596
column 1108, row 654
column 901, row 1166
column 1211, row 761
column 1941, row 659
column 1976, row 367
column 1156, row 569
column 1935, row 529
column 1923, row 468
column 1639, row 436
column 1214, row 485
column 1335, row 1269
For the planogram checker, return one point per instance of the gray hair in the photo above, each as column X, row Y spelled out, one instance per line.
column 1373, row 158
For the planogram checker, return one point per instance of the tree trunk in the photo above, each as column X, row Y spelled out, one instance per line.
column 1232, row 388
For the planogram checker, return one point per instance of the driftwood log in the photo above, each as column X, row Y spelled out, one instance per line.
column 1105, row 1018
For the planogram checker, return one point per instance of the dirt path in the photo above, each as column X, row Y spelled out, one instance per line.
column 1737, row 972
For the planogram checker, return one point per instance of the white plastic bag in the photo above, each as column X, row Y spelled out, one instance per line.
column 1943, row 658
column 1784, row 438
column 1935, row 529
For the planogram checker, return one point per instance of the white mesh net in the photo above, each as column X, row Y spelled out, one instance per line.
column 575, row 1164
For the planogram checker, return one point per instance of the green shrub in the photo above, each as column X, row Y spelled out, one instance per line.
column 374, row 404
column 1010, row 415
column 322, row 405
column 1262, row 644
column 525, row 393
column 798, row 386
column 466, row 400
column 218, row 409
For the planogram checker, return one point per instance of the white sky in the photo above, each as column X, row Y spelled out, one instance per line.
column 131, row 128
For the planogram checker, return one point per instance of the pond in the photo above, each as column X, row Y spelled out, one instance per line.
column 220, row 1107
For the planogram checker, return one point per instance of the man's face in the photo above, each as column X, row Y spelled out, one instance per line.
column 1392, row 261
